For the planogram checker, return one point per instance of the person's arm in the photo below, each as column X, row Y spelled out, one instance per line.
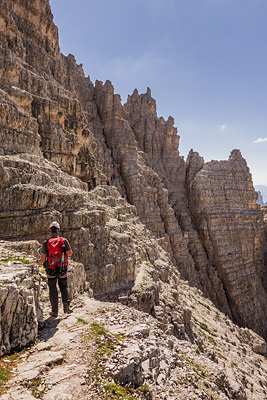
column 42, row 259
column 68, row 248
column 69, row 253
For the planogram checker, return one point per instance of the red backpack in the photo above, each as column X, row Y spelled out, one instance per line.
column 57, row 260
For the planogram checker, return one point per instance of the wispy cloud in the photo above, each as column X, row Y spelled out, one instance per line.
column 260, row 140
column 222, row 127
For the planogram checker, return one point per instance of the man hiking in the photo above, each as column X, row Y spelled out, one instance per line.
column 55, row 253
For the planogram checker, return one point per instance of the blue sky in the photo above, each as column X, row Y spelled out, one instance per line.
column 204, row 60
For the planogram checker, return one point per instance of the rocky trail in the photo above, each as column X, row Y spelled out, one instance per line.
column 106, row 350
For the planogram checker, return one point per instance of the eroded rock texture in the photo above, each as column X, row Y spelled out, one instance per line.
column 19, row 301
column 158, row 138
column 58, row 130
column 215, row 203
column 223, row 202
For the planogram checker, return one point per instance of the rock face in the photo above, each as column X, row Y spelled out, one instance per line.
column 223, row 202
column 19, row 301
column 58, row 131
column 158, row 138
column 143, row 186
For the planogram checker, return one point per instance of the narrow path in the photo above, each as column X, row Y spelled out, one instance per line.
column 55, row 368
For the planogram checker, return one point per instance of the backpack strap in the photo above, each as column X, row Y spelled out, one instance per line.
column 47, row 251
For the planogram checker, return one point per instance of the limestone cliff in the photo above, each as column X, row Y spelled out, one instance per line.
column 223, row 202
column 58, row 130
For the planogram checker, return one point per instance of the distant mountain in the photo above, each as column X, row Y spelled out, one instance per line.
column 263, row 190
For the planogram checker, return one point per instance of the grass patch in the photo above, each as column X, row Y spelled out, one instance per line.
column 106, row 346
column 205, row 305
column 221, row 355
column 234, row 364
column 145, row 278
column 212, row 341
column 144, row 388
column 114, row 392
column 204, row 327
column 81, row 320
column 14, row 258
column 5, row 375
column 7, row 363
column 196, row 367
column 106, row 343
column 98, row 329
column 33, row 386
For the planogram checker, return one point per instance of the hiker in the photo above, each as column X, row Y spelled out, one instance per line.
column 108, row 181
column 55, row 253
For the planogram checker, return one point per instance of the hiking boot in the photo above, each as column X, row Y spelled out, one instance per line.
column 54, row 314
column 66, row 308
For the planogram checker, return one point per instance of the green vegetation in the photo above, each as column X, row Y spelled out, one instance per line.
column 234, row 364
column 5, row 374
column 98, row 329
column 204, row 326
column 7, row 363
column 212, row 341
column 144, row 388
column 16, row 258
column 205, row 305
column 106, row 344
column 114, row 392
column 119, row 218
column 198, row 381
column 82, row 321
column 145, row 278
column 201, row 378
column 196, row 367
column 221, row 355
column 33, row 385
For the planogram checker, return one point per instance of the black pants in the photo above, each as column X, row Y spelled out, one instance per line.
column 53, row 293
